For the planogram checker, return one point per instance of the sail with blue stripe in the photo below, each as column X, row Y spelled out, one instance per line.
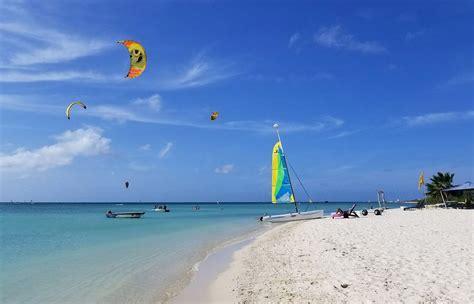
column 282, row 191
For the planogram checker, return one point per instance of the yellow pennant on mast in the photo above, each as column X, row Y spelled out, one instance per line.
column 421, row 180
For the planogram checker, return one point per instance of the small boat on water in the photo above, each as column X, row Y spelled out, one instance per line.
column 132, row 214
column 282, row 189
column 161, row 208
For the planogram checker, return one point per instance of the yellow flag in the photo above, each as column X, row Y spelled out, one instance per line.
column 421, row 181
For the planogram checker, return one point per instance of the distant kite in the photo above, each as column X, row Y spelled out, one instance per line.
column 126, row 185
column 137, row 57
column 214, row 115
column 69, row 107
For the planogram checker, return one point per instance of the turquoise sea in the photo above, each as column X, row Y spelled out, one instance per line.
column 72, row 253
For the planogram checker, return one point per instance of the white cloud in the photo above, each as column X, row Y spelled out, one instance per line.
column 132, row 113
column 203, row 71
column 343, row 168
column 325, row 123
column 434, row 118
column 224, row 169
column 165, row 150
column 461, row 79
column 138, row 167
column 294, row 39
column 116, row 113
column 319, row 76
column 344, row 134
column 68, row 146
column 412, row 35
column 30, row 76
column 335, row 37
column 145, row 147
column 153, row 102
column 40, row 45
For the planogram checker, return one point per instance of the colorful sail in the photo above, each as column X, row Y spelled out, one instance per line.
column 281, row 187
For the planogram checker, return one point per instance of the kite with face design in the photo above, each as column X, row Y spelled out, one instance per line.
column 137, row 57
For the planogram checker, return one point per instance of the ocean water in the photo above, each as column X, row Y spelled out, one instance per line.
column 72, row 253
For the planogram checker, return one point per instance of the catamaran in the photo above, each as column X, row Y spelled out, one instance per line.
column 282, row 189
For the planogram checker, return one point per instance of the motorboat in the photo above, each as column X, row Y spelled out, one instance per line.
column 161, row 208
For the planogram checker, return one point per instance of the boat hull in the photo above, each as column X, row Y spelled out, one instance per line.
column 290, row 217
column 161, row 210
column 125, row 214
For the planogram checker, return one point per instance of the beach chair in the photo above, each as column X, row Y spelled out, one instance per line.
column 351, row 212
column 345, row 213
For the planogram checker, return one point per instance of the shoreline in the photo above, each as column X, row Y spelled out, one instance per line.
column 181, row 291
column 401, row 256
column 209, row 269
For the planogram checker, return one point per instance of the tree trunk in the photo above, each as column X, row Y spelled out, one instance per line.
column 442, row 197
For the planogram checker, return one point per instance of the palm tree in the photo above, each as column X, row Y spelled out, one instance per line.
column 438, row 183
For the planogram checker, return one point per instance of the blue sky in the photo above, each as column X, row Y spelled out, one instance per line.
column 367, row 95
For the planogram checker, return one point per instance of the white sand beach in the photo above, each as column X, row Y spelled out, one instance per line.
column 399, row 257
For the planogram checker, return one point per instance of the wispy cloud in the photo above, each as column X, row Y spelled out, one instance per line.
column 412, row 35
column 435, row 118
column 294, row 39
column 68, row 146
column 145, row 147
column 133, row 112
column 40, row 45
column 224, row 169
column 460, row 79
column 29, row 76
column 202, row 71
column 153, row 102
column 165, row 150
column 325, row 123
column 335, row 37
column 342, row 168
column 319, row 76
column 344, row 134
column 36, row 51
column 138, row 167
column 323, row 76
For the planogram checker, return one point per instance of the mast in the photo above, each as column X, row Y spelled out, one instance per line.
column 286, row 165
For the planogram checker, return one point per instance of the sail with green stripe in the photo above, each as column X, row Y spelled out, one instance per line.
column 282, row 191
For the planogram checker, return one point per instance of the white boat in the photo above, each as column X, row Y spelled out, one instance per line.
column 111, row 214
column 288, row 217
column 161, row 208
column 282, row 189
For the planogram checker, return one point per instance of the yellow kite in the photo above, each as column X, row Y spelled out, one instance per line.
column 69, row 107
column 137, row 57
column 214, row 115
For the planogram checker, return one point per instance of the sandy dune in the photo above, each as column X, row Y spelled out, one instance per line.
column 400, row 257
